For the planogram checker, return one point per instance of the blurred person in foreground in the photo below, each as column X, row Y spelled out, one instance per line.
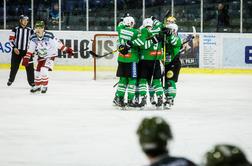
column 154, row 134
column 225, row 155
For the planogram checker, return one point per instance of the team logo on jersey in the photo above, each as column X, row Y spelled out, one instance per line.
column 126, row 55
column 155, row 53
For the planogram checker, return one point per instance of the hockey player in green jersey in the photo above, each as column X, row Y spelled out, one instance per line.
column 127, row 61
column 149, row 65
column 157, row 28
column 172, row 63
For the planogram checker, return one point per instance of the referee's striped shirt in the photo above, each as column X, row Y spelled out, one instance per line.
column 19, row 37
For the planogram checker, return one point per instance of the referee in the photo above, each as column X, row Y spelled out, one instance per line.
column 19, row 38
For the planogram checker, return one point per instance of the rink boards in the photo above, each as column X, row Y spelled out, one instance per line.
column 208, row 53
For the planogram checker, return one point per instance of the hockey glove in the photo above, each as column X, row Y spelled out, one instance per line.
column 167, row 31
column 157, row 38
column 16, row 51
column 129, row 44
column 26, row 60
column 123, row 49
column 69, row 51
column 153, row 18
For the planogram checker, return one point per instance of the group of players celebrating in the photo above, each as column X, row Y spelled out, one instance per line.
column 148, row 57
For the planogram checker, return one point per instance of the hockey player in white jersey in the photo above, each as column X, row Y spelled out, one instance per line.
column 46, row 46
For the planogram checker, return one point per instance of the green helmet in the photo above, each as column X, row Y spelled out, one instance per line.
column 154, row 133
column 39, row 24
column 225, row 155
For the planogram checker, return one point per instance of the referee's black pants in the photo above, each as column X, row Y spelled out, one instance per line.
column 15, row 62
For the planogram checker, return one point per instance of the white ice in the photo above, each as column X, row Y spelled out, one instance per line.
column 75, row 124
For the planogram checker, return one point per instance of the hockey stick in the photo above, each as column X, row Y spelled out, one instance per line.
column 67, row 54
column 190, row 39
column 100, row 56
column 115, row 84
column 154, row 66
column 193, row 36
column 168, row 12
column 31, row 62
column 164, row 59
column 35, row 61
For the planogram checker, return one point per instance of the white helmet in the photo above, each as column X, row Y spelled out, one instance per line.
column 129, row 21
column 148, row 22
column 173, row 27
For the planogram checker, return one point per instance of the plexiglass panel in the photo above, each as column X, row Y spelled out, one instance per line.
column 73, row 15
column 247, row 15
column 157, row 8
column 101, row 15
column 221, row 16
column 187, row 13
column 133, row 7
column 14, row 8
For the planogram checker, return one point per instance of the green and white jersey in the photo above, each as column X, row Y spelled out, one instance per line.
column 129, row 34
column 151, row 51
column 173, row 46
column 157, row 27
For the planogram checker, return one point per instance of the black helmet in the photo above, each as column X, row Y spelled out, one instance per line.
column 21, row 17
column 154, row 133
column 225, row 155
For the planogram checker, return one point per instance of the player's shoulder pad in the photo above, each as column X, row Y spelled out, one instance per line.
column 49, row 35
column 33, row 36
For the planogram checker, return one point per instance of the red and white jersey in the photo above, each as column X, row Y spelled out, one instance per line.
column 45, row 47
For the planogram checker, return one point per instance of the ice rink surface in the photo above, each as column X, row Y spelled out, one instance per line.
column 75, row 124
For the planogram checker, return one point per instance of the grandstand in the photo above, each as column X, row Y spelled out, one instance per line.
column 101, row 15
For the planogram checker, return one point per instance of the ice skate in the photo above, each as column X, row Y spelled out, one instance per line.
column 131, row 104
column 9, row 83
column 136, row 101
column 169, row 101
column 152, row 100
column 119, row 102
column 143, row 102
column 35, row 89
column 44, row 89
column 159, row 102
